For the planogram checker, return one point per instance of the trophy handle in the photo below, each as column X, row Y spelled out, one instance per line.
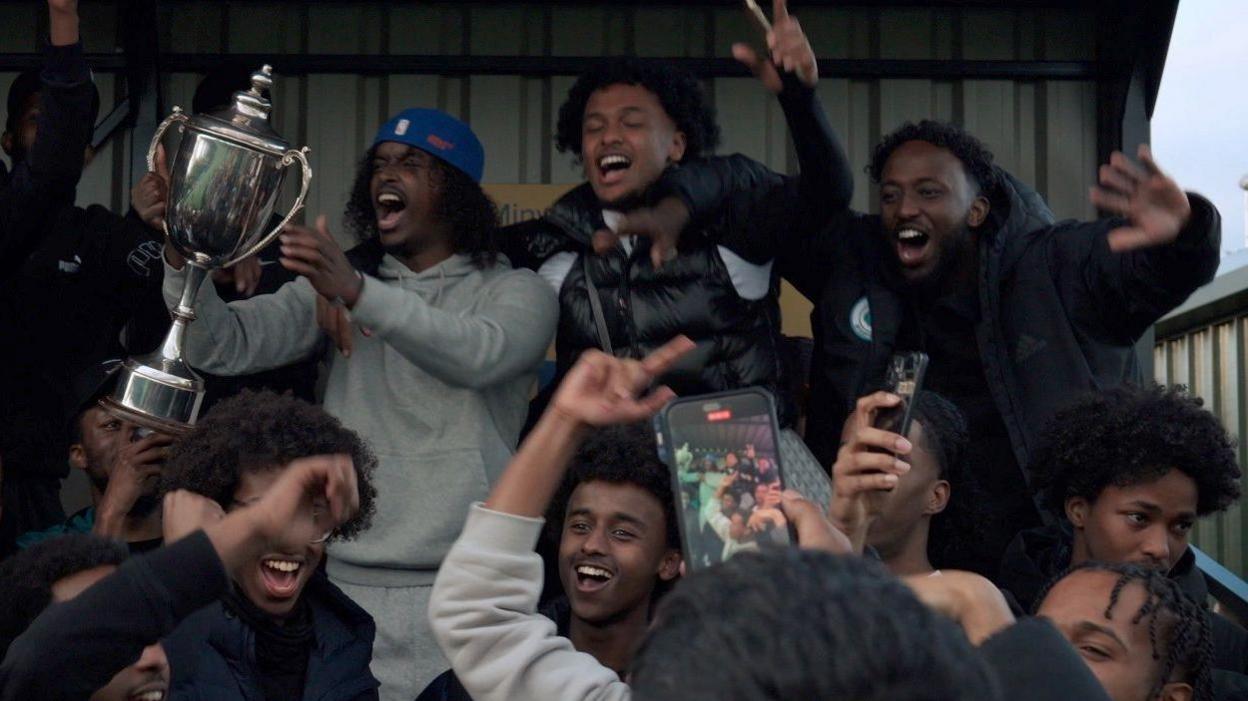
column 288, row 159
column 175, row 116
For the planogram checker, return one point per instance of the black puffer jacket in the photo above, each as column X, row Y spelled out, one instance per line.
column 737, row 339
column 644, row 307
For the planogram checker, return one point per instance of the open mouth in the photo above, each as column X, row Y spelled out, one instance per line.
column 390, row 206
column 590, row 578
column 281, row 576
column 912, row 246
column 148, row 694
column 612, row 167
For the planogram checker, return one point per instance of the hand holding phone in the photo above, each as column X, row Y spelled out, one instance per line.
column 868, row 468
column 904, row 379
column 738, row 511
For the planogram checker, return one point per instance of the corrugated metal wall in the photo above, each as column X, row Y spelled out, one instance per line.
column 1044, row 131
column 1210, row 360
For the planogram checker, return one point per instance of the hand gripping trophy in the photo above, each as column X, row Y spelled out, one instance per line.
column 224, row 181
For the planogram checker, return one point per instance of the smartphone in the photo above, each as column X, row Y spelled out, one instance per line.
column 724, row 454
column 756, row 15
column 904, row 379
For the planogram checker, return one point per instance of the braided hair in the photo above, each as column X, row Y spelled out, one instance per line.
column 1178, row 626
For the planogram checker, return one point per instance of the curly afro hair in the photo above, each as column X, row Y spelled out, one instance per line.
column 618, row 455
column 678, row 91
column 461, row 202
column 1131, row 435
column 262, row 431
column 975, row 157
column 26, row 578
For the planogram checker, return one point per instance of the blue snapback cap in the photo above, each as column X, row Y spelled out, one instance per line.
column 438, row 134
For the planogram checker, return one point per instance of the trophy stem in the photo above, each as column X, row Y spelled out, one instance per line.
column 184, row 313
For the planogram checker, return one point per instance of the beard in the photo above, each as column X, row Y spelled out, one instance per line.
column 953, row 254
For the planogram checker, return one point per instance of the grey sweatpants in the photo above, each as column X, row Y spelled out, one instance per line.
column 405, row 655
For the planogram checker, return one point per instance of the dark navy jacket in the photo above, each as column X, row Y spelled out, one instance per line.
column 212, row 653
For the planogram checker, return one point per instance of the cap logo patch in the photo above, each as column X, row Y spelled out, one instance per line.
column 401, row 128
column 440, row 143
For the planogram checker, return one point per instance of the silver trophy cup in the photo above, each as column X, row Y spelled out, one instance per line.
column 224, row 180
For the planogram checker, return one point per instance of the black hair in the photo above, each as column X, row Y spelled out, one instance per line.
column 28, row 83
column 262, row 431
column 1130, row 435
column 1178, row 626
column 974, row 155
column 678, row 91
column 26, row 578
column 799, row 624
column 947, row 437
column 462, row 203
column 618, row 455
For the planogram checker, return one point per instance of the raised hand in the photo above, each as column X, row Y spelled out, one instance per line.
column 814, row 532
column 63, row 22
column 335, row 321
column 661, row 224
column 314, row 254
column 244, row 275
column 312, row 497
column 790, row 52
column 601, row 390
column 1154, row 205
column 186, row 512
column 136, row 467
column 151, row 194
column 867, row 468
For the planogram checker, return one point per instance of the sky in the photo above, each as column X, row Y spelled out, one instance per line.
column 1200, row 124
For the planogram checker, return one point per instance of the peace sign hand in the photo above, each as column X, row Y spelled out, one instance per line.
column 790, row 51
column 602, row 390
column 1155, row 206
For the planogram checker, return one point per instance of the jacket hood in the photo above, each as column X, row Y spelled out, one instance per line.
column 1017, row 210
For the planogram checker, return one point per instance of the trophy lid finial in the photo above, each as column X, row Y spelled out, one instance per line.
column 247, row 117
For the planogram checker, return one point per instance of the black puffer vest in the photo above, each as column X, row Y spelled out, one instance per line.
column 737, row 339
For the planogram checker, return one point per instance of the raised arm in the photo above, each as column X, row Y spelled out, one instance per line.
column 46, row 171
column 1149, row 261
column 483, row 609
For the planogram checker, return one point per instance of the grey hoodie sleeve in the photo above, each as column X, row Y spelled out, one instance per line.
column 506, row 337
column 250, row 335
column 483, row 611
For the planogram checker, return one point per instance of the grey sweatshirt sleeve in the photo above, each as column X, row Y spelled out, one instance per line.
column 506, row 337
column 250, row 335
column 484, row 615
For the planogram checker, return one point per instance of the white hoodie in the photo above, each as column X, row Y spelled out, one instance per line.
column 439, row 391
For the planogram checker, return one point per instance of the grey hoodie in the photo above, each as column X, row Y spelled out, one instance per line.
column 439, row 391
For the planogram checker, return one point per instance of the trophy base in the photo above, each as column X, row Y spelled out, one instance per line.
column 157, row 393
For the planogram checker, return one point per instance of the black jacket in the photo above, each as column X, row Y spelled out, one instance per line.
column 46, row 177
column 693, row 294
column 1037, row 556
column 212, row 653
column 1060, row 312
column 34, row 197
column 73, row 649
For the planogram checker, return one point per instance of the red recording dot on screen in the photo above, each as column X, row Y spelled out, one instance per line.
column 721, row 415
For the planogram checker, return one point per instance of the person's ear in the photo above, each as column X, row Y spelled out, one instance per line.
column 77, row 457
column 1176, row 691
column 6, row 142
column 978, row 213
column 676, row 150
column 670, row 565
column 937, row 498
column 1077, row 511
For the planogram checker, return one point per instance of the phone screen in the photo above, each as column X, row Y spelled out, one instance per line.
column 724, row 454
